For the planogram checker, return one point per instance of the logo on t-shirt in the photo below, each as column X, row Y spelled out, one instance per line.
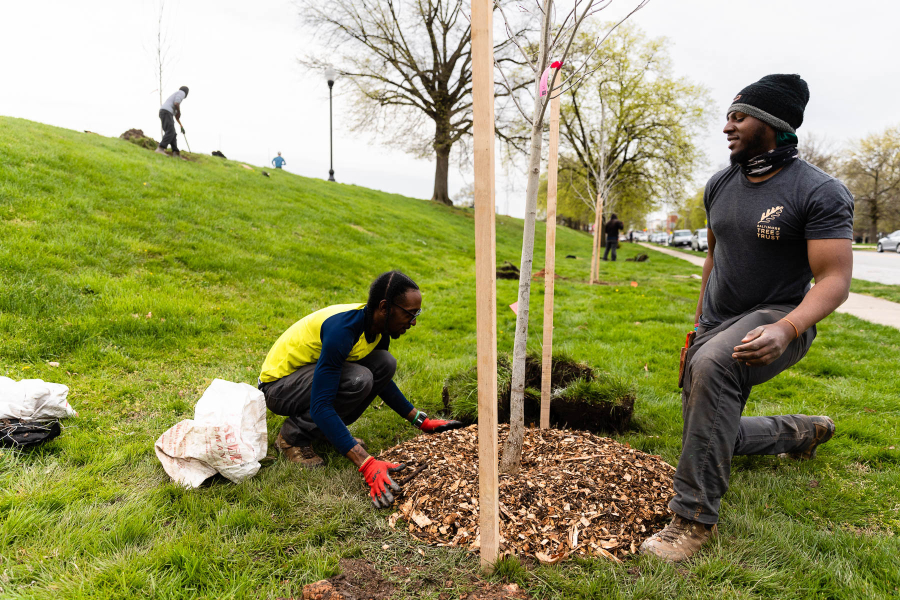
column 764, row 229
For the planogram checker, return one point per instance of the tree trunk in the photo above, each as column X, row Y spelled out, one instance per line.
column 512, row 450
column 511, row 461
column 442, row 147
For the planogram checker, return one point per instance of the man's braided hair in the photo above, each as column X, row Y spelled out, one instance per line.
column 387, row 286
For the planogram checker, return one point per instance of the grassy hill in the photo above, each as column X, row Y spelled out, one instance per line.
column 146, row 277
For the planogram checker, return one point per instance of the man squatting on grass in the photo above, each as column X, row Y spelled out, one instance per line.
column 327, row 368
column 171, row 109
column 775, row 222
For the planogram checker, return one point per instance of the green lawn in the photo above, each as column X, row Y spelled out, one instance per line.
column 145, row 278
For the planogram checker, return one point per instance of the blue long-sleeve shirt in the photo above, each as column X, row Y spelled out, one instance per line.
column 329, row 338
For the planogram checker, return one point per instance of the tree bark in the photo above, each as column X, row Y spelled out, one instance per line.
column 511, row 461
column 442, row 147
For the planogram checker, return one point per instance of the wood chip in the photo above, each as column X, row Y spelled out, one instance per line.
column 576, row 494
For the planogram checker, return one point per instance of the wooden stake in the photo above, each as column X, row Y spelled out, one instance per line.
column 595, row 254
column 485, row 279
column 599, row 238
column 550, row 263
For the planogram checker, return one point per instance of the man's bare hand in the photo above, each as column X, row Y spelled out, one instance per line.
column 764, row 344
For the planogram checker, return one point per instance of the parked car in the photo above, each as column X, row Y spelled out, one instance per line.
column 890, row 242
column 641, row 236
column 699, row 241
column 659, row 237
column 680, row 237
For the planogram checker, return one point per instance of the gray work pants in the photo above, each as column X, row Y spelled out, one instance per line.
column 716, row 388
column 169, row 138
column 360, row 382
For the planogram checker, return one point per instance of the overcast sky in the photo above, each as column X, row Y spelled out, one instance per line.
column 88, row 65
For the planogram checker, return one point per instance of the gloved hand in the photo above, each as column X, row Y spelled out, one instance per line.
column 377, row 475
column 427, row 425
column 182, row 129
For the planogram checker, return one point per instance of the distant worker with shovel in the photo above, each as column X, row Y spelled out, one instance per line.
column 170, row 112
column 325, row 370
column 775, row 223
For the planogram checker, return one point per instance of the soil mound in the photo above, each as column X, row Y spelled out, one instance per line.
column 218, row 153
column 638, row 258
column 358, row 581
column 136, row 136
column 577, row 494
column 507, row 271
column 581, row 397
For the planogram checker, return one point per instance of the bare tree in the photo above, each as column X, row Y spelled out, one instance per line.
column 409, row 64
column 873, row 176
column 820, row 152
column 161, row 49
column 555, row 40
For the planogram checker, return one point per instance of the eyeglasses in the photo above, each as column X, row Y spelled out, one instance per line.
column 412, row 315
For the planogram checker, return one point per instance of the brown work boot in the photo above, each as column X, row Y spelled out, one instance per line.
column 159, row 150
column 177, row 154
column 824, row 432
column 680, row 540
column 301, row 455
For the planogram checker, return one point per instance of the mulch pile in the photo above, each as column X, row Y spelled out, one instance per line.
column 136, row 136
column 577, row 494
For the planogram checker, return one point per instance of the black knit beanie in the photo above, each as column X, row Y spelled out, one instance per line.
column 184, row 89
column 778, row 100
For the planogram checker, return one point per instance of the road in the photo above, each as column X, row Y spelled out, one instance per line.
column 881, row 267
column 868, row 308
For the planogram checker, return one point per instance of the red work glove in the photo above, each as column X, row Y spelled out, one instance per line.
column 377, row 475
column 427, row 425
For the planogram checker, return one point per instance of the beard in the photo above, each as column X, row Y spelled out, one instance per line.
column 754, row 146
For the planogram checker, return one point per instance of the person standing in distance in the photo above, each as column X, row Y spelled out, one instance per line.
column 170, row 112
column 277, row 162
column 775, row 223
column 612, row 228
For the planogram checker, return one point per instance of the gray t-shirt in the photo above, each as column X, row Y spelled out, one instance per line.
column 169, row 104
column 761, row 231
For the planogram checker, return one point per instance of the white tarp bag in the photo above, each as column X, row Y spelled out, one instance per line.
column 34, row 400
column 227, row 435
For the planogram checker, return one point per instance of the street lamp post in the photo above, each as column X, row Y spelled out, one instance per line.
column 330, row 76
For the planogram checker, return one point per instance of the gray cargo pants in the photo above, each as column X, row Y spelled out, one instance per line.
column 360, row 382
column 716, row 388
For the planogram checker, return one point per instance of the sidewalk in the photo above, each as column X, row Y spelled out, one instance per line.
column 868, row 308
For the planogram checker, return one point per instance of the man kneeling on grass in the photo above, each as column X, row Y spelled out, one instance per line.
column 775, row 222
column 327, row 368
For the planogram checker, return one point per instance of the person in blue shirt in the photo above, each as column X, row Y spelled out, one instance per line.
column 278, row 161
column 325, row 370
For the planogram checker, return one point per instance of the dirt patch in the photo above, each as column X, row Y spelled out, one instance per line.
column 638, row 258
column 581, row 397
column 358, row 581
column 136, row 136
column 489, row 591
column 576, row 494
column 543, row 273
